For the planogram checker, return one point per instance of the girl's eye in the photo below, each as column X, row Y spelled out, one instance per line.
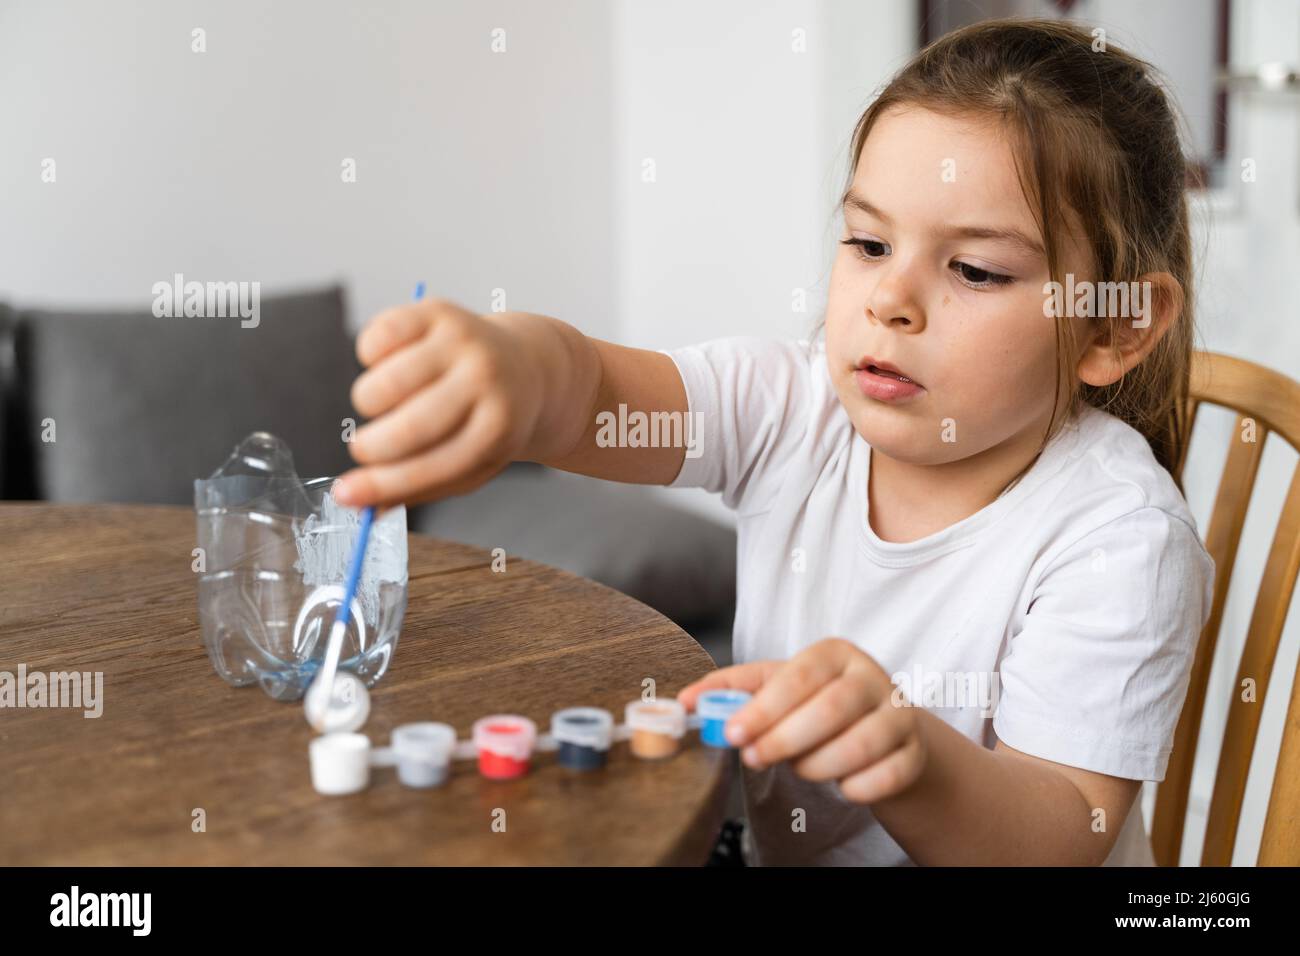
column 867, row 249
column 872, row 250
column 978, row 278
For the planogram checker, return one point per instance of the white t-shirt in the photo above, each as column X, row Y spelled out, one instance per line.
column 1068, row 609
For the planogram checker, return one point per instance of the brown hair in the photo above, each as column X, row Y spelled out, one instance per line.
column 1094, row 136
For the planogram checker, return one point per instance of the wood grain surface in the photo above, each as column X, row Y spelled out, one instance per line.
column 110, row 588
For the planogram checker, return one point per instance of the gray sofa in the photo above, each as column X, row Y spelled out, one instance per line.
column 141, row 406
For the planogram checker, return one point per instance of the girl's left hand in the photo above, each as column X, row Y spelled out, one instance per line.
column 830, row 710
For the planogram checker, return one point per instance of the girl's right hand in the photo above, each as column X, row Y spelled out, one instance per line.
column 833, row 712
column 454, row 397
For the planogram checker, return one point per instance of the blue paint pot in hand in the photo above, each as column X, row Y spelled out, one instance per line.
column 714, row 707
column 584, row 735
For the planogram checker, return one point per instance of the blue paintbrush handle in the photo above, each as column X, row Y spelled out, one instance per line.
column 335, row 646
column 354, row 572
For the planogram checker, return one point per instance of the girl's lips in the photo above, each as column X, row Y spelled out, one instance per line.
column 883, row 388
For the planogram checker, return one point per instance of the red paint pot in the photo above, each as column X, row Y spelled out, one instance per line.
column 505, row 745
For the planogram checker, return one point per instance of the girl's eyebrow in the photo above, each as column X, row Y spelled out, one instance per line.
column 1013, row 236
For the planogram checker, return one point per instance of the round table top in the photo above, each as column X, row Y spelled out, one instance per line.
column 181, row 768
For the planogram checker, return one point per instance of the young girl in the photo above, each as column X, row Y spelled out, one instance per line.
column 969, row 586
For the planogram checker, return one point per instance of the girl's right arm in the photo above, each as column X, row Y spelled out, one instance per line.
column 454, row 397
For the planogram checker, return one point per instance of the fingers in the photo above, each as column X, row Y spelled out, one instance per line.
column 429, row 416
column 802, row 676
column 439, row 390
column 831, row 710
column 390, row 330
column 865, row 741
column 400, row 375
column 887, row 777
column 746, row 677
column 459, row 486
column 433, row 473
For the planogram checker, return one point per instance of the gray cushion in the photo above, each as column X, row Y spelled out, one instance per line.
column 624, row 536
column 144, row 405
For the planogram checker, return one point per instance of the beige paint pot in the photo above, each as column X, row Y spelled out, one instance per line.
column 657, row 727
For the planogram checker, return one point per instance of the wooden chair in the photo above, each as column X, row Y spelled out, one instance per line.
column 1272, row 400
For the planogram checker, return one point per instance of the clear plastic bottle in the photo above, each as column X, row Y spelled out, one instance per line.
column 275, row 553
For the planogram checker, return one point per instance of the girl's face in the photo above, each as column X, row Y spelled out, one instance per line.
column 940, row 275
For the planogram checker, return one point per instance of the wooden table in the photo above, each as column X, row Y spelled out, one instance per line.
column 109, row 588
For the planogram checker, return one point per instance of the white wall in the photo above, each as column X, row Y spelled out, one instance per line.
column 745, row 109
column 476, row 170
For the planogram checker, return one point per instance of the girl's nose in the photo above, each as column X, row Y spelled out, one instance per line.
column 901, row 320
column 892, row 300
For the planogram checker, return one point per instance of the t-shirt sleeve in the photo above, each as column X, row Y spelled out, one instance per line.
column 1096, row 676
column 747, row 397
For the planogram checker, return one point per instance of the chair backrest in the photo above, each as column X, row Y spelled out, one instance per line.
column 1265, row 402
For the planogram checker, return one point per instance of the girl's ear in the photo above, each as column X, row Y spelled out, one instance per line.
column 1122, row 341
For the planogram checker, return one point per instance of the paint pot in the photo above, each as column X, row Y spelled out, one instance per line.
column 584, row 735
column 505, row 745
column 423, row 753
column 714, row 707
column 340, row 763
column 657, row 727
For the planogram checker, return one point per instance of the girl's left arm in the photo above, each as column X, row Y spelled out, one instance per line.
column 975, row 806
column 835, row 715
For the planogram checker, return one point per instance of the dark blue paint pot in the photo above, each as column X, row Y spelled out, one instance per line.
column 584, row 735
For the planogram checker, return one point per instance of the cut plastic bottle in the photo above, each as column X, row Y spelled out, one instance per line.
column 275, row 552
